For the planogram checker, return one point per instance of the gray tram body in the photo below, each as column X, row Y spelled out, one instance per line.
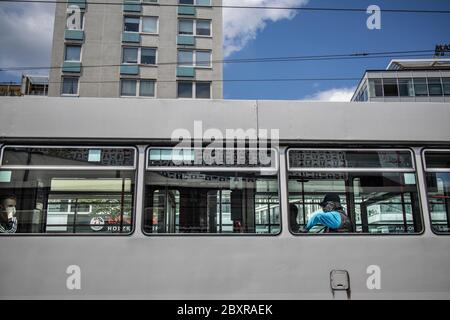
column 283, row 266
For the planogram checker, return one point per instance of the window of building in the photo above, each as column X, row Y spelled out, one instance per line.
column 437, row 163
column 131, row 24
column 375, row 88
column 203, row 28
column 194, row 27
column 390, row 87
column 151, row 1
column 191, row 2
column 405, row 87
column 130, row 55
column 194, row 58
column 420, row 87
column 185, row 57
column 185, row 89
column 203, row 90
column 203, row 2
column 147, row 88
column 446, row 85
column 69, row 86
column 180, row 200
column 203, row 59
column 435, row 86
column 190, row 89
column 128, row 87
column 150, row 24
column 377, row 191
column 73, row 52
column 134, row 88
column 148, row 56
column 68, row 190
column 186, row 27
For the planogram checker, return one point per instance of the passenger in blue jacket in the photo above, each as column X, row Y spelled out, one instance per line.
column 332, row 215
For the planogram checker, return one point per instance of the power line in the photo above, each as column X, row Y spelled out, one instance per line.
column 351, row 56
column 218, row 80
column 247, row 7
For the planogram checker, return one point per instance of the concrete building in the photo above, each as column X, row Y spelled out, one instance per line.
column 147, row 48
column 412, row 80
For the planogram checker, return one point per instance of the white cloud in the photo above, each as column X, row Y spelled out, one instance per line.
column 242, row 25
column 335, row 95
column 26, row 35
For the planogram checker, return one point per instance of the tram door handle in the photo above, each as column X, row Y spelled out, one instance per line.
column 340, row 284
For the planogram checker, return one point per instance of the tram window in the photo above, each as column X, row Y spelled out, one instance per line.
column 438, row 189
column 211, row 202
column 375, row 198
column 54, row 194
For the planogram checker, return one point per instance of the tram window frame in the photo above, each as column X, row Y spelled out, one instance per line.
column 427, row 170
column 134, row 190
column 412, row 170
column 187, row 169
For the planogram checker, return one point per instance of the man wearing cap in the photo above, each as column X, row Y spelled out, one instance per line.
column 332, row 215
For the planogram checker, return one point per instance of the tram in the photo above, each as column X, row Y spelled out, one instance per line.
column 108, row 205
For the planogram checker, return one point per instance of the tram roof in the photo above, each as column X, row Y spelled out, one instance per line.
column 80, row 119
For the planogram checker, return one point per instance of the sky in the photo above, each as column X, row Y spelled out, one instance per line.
column 26, row 36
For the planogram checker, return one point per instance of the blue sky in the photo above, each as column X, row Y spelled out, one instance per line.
column 259, row 33
column 319, row 33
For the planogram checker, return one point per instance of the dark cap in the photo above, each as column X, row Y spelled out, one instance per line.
column 330, row 197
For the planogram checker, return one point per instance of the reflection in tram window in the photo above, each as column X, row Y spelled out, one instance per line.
column 51, row 201
column 438, row 188
column 375, row 201
column 60, row 190
column 211, row 202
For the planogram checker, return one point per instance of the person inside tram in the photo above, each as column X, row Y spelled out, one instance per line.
column 8, row 220
column 293, row 210
column 332, row 216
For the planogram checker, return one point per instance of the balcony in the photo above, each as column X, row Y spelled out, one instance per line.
column 186, row 72
column 129, row 69
column 131, row 37
column 132, row 6
column 186, row 10
column 74, row 35
column 71, row 66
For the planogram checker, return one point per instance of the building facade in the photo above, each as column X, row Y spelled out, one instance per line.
column 415, row 80
column 149, row 48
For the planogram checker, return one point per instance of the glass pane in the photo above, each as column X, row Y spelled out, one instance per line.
column 375, row 88
column 446, row 84
column 186, row 1
column 150, row 24
column 203, row 2
column 131, row 24
column 349, row 159
column 203, row 90
column 68, row 201
column 437, row 159
column 211, row 203
column 434, row 86
column 420, row 87
column 406, row 87
column 354, row 202
column 148, row 56
column 128, row 88
column 184, row 89
column 390, row 87
column 438, row 188
column 130, row 55
column 70, row 86
column 186, row 27
column 35, row 156
column 73, row 53
column 185, row 58
column 147, row 88
column 203, row 58
column 203, row 28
